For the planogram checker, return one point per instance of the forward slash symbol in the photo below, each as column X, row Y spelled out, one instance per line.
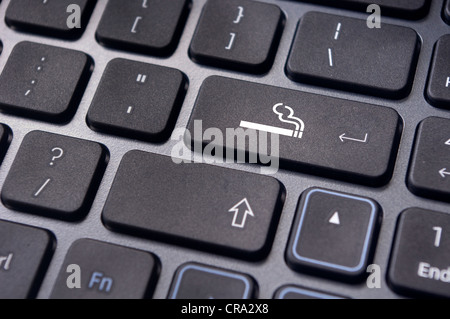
column 42, row 187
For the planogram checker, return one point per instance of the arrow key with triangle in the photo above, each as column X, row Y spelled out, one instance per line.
column 334, row 234
column 429, row 169
column 335, row 219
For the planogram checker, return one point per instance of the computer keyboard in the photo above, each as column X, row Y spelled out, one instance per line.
column 315, row 163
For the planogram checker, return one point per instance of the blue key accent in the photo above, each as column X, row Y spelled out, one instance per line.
column 366, row 241
column 246, row 294
column 296, row 290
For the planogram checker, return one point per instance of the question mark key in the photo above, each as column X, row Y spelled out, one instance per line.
column 54, row 175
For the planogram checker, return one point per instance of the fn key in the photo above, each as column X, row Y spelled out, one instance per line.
column 105, row 271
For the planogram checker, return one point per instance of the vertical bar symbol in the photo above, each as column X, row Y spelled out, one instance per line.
column 330, row 57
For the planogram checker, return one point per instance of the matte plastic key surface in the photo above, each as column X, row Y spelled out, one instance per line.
column 334, row 234
column 196, row 205
column 106, row 271
column 54, row 175
column 195, row 281
column 420, row 258
column 344, row 54
column 58, row 18
column 317, row 134
column 43, row 82
column 407, row 9
column 147, row 26
column 246, row 35
column 137, row 100
column 438, row 89
column 429, row 170
column 25, row 253
column 294, row 292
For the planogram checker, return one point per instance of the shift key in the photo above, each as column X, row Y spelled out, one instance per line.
column 310, row 133
column 196, row 205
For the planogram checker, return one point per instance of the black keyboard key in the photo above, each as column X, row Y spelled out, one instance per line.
column 137, row 100
column 420, row 258
column 54, row 175
column 147, row 26
column 195, row 281
column 5, row 139
column 25, row 253
column 294, row 292
column 410, row 9
column 57, row 18
column 334, row 234
column 324, row 53
column 317, row 134
column 43, row 82
column 106, row 272
column 447, row 12
column 429, row 171
column 438, row 89
column 246, row 35
column 228, row 212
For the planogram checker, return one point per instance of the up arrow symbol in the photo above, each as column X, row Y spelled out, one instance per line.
column 335, row 219
column 241, row 211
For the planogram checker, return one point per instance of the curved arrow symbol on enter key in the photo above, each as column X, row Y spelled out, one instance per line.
column 343, row 138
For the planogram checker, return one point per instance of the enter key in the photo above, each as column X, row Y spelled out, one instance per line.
column 309, row 133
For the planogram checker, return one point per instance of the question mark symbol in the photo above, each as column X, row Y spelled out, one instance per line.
column 60, row 153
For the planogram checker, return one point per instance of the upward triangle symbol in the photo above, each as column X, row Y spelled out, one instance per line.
column 335, row 219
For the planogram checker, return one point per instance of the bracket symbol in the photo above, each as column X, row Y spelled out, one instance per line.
column 240, row 15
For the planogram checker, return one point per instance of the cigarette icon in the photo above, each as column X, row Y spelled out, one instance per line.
column 289, row 119
column 271, row 129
